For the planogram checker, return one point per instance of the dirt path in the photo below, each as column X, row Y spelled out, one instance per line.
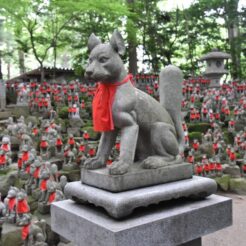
column 234, row 235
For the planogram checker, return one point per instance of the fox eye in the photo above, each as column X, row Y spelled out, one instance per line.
column 103, row 59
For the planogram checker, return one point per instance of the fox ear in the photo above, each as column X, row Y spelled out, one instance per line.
column 93, row 42
column 117, row 42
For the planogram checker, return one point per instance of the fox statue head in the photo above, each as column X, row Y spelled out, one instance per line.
column 105, row 64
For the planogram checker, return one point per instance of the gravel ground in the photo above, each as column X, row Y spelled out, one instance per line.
column 234, row 235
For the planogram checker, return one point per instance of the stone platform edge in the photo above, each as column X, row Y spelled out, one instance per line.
column 167, row 225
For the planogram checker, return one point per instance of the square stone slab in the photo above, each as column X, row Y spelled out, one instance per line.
column 136, row 177
column 171, row 224
column 122, row 204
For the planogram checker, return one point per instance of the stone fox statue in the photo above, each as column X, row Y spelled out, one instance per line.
column 151, row 132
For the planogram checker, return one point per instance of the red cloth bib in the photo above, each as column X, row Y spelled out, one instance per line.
column 218, row 167
column 25, row 232
column 19, row 163
column 71, row 141
column 22, row 207
column 36, row 173
column 86, row 136
column 43, row 144
column 59, row 142
column 92, row 152
column 52, row 197
column 25, row 156
column 43, row 185
column 5, row 147
column 2, row 159
column 28, row 169
column 35, row 131
column 11, row 203
column 102, row 105
column 81, row 148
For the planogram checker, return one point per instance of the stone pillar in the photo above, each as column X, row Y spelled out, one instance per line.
column 2, row 95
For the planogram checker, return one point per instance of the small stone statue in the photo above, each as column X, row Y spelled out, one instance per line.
column 22, row 207
column 62, row 183
column 59, row 146
column 44, row 148
column 27, row 160
column 53, row 194
column 5, row 161
column 52, row 113
column 22, row 98
column 33, row 233
column 6, row 145
column 35, row 174
column 54, row 172
column 232, row 157
column 69, row 158
column 10, row 204
column 44, row 178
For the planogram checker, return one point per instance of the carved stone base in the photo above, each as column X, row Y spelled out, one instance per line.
column 119, row 205
column 136, row 177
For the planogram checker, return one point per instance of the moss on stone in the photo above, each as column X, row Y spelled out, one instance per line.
column 228, row 136
column 195, row 135
column 198, row 127
column 63, row 112
column 11, row 236
column 238, row 185
column 223, row 182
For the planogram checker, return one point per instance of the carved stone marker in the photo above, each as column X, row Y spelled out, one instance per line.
column 2, row 95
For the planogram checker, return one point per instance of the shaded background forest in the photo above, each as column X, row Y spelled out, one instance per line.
column 55, row 33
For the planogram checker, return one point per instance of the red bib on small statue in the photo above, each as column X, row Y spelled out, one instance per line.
column 11, row 203
column 102, row 105
column 22, row 207
column 25, row 232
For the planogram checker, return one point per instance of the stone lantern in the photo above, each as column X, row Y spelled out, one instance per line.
column 215, row 66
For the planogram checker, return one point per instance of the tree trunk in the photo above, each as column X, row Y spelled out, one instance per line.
column 54, row 64
column 8, row 67
column 132, row 41
column 232, row 23
column 1, row 74
column 132, row 58
column 42, row 73
column 21, row 61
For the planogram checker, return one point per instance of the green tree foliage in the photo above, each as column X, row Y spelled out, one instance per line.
column 48, row 29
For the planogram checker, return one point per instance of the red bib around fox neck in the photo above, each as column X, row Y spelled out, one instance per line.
column 102, row 105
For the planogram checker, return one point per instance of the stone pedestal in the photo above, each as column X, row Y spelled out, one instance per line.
column 179, row 222
column 136, row 177
column 121, row 204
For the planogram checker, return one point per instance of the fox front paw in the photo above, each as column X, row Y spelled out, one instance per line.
column 153, row 162
column 118, row 168
column 94, row 163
